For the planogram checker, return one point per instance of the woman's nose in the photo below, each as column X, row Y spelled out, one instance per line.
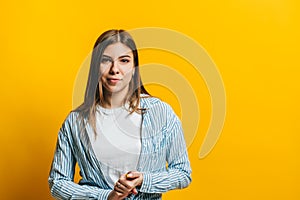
column 114, row 69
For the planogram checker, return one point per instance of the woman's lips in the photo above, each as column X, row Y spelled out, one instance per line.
column 113, row 80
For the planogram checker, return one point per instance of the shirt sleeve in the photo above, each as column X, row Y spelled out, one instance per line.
column 61, row 178
column 178, row 173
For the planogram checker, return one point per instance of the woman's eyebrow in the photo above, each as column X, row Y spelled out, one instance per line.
column 106, row 56
column 125, row 56
column 122, row 56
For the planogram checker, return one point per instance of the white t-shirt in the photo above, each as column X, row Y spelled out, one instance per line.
column 117, row 144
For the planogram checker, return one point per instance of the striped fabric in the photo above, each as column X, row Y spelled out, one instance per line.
column 163, row 159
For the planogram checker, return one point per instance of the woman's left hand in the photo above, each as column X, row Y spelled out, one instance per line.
column 128, row 182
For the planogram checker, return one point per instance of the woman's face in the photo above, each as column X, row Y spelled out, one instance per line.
column 117, row 68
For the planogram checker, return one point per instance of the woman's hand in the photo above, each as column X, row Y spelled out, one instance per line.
column 126, row 185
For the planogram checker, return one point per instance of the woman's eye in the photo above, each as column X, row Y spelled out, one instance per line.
column 105, row 60
column 124, row 60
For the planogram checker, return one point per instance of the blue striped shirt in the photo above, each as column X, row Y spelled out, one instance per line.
column 163, row 160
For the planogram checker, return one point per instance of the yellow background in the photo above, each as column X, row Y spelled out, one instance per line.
column 254, row 43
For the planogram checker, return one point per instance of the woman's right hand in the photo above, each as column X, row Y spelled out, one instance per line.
column 121, row 190
column 126, row 185
column 114, row 195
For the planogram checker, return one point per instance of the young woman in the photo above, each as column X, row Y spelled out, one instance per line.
column 128, row 145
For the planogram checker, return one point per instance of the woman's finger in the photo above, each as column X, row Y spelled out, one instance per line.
column 135, row 177
column 132, row 175
column 125, row 183
column 119, row 187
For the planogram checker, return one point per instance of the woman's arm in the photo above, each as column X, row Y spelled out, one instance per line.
column 61, row 178
column 178, row 173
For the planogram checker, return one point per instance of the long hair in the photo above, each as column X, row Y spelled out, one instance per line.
column 94, row 89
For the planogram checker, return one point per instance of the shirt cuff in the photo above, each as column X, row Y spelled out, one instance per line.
column 147, row 183
column 104, row 194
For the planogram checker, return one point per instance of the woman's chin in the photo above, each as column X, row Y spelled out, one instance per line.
column 115, row 89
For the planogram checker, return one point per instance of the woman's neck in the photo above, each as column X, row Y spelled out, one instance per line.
column 114, row 100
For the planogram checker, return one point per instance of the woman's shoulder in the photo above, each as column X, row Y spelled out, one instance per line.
column 147, row 100
column 72, row 124
column 154, row 103
column 71, row 120
column 72, row 116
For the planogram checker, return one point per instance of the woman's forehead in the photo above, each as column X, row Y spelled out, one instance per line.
column 117, row 49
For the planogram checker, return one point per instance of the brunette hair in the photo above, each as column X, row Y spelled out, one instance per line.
column 94, row 89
